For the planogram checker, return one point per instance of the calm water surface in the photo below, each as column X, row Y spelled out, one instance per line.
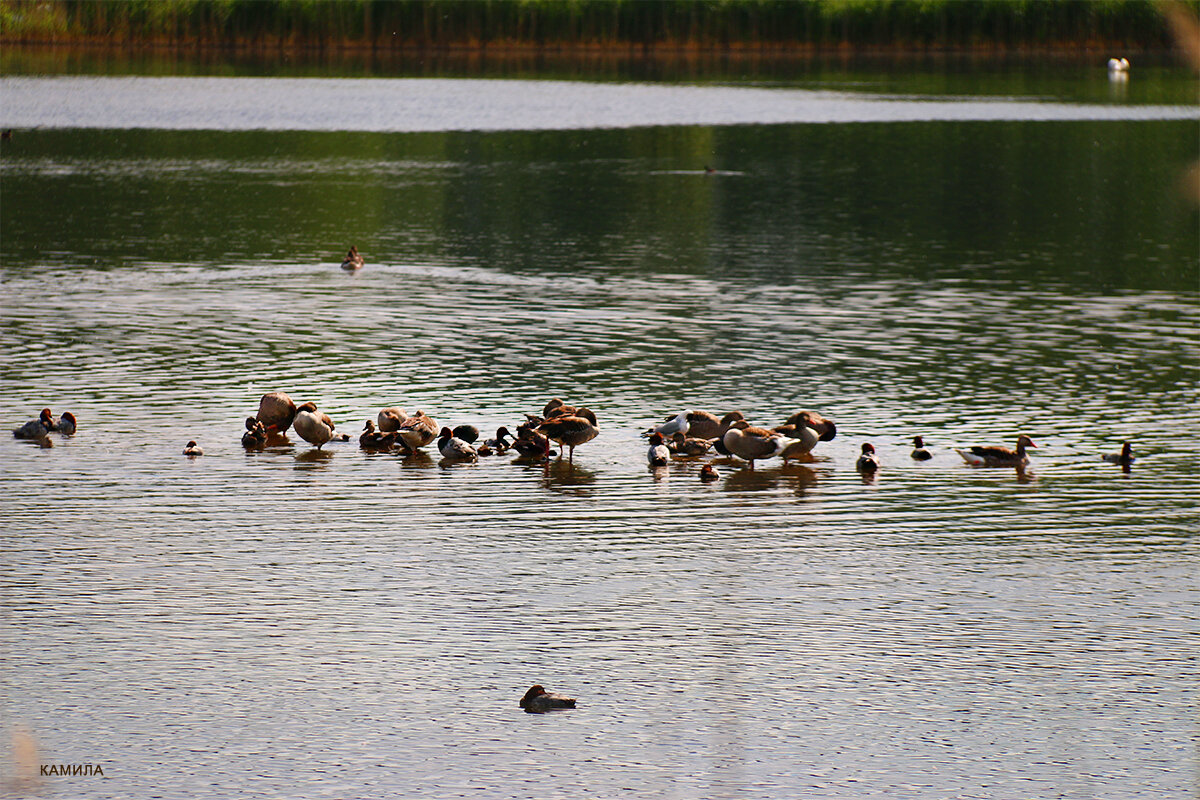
column 302, row 623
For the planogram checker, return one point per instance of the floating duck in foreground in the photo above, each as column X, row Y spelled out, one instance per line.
column 708, row 474
column 1123, row 458
column 750, row 443
column 353, row 261
column 571, row 430
column 998, row 456
column 65, row 424
column 452, row 447
column 868, row 462
column 657, row 454
column 36, row 428
column 192, row 450
column 919, row 452
column 538, row 701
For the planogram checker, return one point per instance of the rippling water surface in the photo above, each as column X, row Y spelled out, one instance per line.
column 303, row 623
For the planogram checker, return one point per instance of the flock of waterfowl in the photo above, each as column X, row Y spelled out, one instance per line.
column 687, row 435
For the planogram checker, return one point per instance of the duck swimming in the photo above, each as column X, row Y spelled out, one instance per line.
column 708, row 474
column 255, row 435
column 65, row 424
column 36, row 428
column 998, row 456
column 1123, row 458
column 538, row 701
column 353, row 261
column 468, row 433
column 450, row 446
column 192, row 450
column 657, row 454
column 868, row 462
column 500, row 444
column 919, row 452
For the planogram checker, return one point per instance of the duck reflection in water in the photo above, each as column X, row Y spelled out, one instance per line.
column 758, row 480
column 313, row 458
column 562, row 475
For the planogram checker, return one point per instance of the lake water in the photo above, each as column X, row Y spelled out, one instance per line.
column 334, row 623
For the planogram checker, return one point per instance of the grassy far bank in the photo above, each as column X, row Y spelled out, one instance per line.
column 594, row 24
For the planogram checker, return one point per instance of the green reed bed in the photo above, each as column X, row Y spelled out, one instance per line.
column 716, row 24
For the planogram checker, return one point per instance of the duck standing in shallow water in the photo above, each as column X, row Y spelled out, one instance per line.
column 538, row 701
column 750, row 443
column 1123, row 458
column 192, row 450
column 657, row 454
column 390, row 419
column 571, row 430
column 312, row 427
column 276, row 412
column 868, row 462
column 418, row 430
column 919, row 452
column 36, row 428
column 452, row 447
column 998, row 456
column 353, row 261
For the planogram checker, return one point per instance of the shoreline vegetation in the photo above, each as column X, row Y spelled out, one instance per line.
column 596, row 27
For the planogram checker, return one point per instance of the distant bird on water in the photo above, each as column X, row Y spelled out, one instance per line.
column 353, row 261
column 1123, row 458
column 868, row 462
column 657, row 454
column 998, row 456
column 919, row 452
column 192, row 450
column 36, row 428
column 538, row 701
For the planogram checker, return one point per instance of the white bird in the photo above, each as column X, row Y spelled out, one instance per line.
column 676, row 424
column 1118, row 65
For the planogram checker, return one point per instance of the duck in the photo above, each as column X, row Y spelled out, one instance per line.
column 531, row 444
column 313, row 428
column 390, row 419
column 919, row 452
column 688, row 446
column 255, row 435
column 799, row 445
column 276, row 412
column 370, row 439
column 192, row 449
column 500, row 444
column 353, row 261
column 825, row 428
column 65, row 424
column 468, row 433
column 538, row 701
column 708, row 473
column 703, row 425
column 750, row 443
column 1118, row 65
column 556, row 408
column 677, row 423
column 450, row 446
column 998, row 456
column 1123, row 458
column 868, row 462
column 571, row 430
column 418, row 430
column 658, row 455
column 36, row 428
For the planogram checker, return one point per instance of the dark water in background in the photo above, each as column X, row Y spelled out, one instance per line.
column 302, row 623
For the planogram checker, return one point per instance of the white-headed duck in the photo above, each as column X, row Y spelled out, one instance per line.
column 538, row 701
column 998, row 456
